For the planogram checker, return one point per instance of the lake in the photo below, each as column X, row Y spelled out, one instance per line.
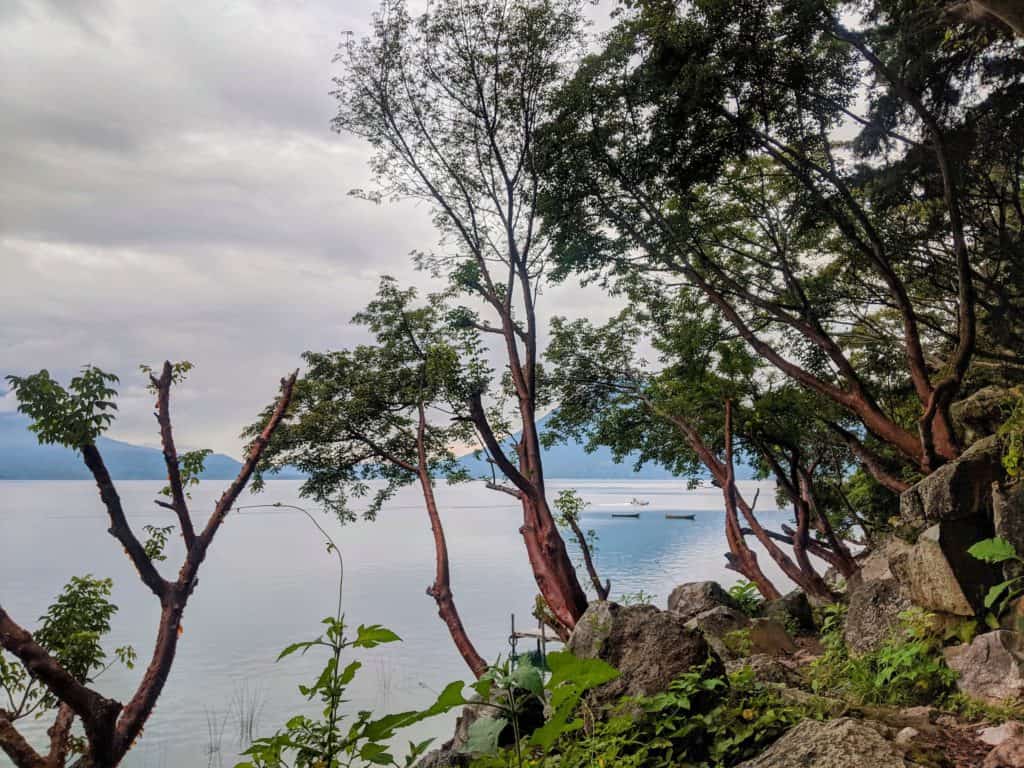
column 268, row 580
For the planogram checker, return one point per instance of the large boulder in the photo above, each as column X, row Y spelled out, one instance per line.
column 445, row 757
column 1009, row 754
column 717, row 625
column 959, row 490
column 1008, row 520
column 980, row 415
column 691, row 599
column 875, row 600
column 793, row 611
column 842, row 743
column 938, row 574
column 649, row 647
column 991, row 668
column 770, row 638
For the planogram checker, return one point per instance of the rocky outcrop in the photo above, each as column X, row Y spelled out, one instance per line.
column 446, row 757
column 991, row 668
column 980, row 415
column 717, row 624
column 1009, row 754
column 875, row 601
column 770, row 638
column 1008, row 520
column 697, row 597
column 649, row 647
column 842, row 743
column 959, row 490
column 931, row 581
column 793, row 611
column 769, row 669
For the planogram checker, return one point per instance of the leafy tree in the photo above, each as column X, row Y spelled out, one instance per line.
column 451, row 101
column 389, row 412
column 705, row 151
column 57, row 665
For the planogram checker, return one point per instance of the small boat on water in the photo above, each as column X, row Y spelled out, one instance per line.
column 626, row 514
column 638, row 503
column 680, row 517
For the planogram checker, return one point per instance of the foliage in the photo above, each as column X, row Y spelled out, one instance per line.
column 191, row 465
column 308, row 742
column 1012, row 435
column 71, row 630
column 907, row 669
column 747, row 597
column 73, row 416
column 637, row 598
column 179, row 372
column 156, row 541
column 997, row 551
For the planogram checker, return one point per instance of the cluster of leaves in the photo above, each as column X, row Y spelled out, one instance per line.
column 747, row 597
column 72, row 416
column 701, row 720
column 71, row 630
column 907, row 669
column 1012, row 436
column 999, row 551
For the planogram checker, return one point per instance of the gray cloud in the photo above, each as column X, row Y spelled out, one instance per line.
column 171, row 189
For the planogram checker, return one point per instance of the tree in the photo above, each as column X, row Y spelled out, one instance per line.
column 683, row 412
column 75, row 417
column 451, row 101
column 704, row 150
column 365, row 414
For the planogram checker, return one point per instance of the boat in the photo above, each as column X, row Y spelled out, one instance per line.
column 625, row 514
column 680, row 517
column 637, row 503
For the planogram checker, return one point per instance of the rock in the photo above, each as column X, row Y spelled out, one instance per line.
column 1008, row 520
column 980, row 415
column 793, row 611
column 997, row 734
column 931, row 581
column 989, row 669
column 770, row 638
column 716, row 624
column 842, row 743
column 874, row 606
column 959, row 490
column 907, row 735
column 1009, row 754
column 531, row 718
column 445, row 757
column 691, row 599
column 1013, row 619
column 768, row 669
column 649, row 647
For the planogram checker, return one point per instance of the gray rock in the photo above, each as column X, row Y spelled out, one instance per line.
column 649, row 647
column 446, row 757
column 769, row 669
column 691, row 599
column 793, row 611
column 842, row 743
column 980, row 415
column 1008, row 520
column 990, row 668
column 907, row 735
column 930, row 579
column 770, row 638
column 997, row 734
column 873, row 613
column 716, row 624
column 959, row 490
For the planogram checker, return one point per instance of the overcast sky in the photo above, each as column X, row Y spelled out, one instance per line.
column 170, row 188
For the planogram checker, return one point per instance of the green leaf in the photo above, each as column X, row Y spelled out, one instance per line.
column 995, row 593
column 483, row 735
column 288, row 651
column 584, row 673
column 374, row 635
column 996, row 550
column 527, row 677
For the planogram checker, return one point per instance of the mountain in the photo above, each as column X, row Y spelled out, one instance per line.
column 23, row 458
column 571, row 461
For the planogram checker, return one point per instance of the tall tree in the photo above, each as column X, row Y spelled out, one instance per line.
column 75, row 417
column 388, row 412
column 451, row 101
column 709, row 145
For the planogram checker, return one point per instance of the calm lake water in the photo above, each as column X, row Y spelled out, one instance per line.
column 268, row 581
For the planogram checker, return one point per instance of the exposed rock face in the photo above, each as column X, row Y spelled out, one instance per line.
column 981, row 414
column 842, row 743
column 959, row 490
column 649, row 647
column 929, row 578
column 997, row 734
column 769, row 669
column 990, row 668
column 1009, row 754
column 793, row 611
column 1008, row 520
column 876, row 600
column 715, row 625
column 689, row 600
column 446, row 757
column 770, row 638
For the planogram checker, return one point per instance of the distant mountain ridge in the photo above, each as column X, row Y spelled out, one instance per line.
column 23, row 458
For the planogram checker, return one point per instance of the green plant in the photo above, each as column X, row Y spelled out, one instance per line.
column 1012, row 435
column 997, row 551
column 746, row 595
column 738, row 641
column 637, row 598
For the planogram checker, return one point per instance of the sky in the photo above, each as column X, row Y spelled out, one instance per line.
column 171, row 189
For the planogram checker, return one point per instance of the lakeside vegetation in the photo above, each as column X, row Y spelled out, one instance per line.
column 812, row 215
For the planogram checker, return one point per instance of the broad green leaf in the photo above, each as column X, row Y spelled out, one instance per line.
column 483, row 735
column 374, row 635
column 288, row 651
column 527, row 677
column 584, row 673
column 995, row 593
column 996, row 550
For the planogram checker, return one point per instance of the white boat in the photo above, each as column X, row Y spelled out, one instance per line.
column 635, row 502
